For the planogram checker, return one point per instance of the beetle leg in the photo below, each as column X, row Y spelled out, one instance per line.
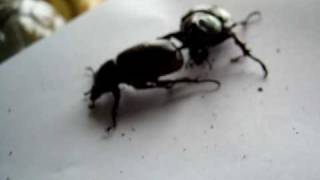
column 170, row 83
column 117, row 95
column 247, row 53
column 144, row 85
column 178, row 35
column 200, row 55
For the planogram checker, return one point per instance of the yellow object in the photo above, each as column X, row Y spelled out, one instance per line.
column 71, row 8
column 83, row 5
column 63, row 8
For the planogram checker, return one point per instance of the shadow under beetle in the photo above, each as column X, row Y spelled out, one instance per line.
column 207, row 26
column 141, row 67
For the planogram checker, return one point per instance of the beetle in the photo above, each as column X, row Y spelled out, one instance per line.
column 141, row 67
column 206, row 26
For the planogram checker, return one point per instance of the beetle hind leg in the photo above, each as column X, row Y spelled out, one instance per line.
column 171, row 83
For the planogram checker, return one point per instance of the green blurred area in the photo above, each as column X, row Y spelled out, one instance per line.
column 22, row 22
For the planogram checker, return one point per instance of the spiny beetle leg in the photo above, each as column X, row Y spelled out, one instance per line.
column 247, row 52
column 170, row 83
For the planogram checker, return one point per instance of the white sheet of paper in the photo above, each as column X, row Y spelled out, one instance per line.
column 194, row 132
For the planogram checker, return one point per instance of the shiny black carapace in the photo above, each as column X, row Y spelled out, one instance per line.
column 207, row 26
column 140, row 66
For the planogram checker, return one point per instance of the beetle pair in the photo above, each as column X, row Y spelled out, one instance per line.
column 141, row 66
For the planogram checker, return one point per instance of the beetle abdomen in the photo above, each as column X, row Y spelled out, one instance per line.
column 150, row 59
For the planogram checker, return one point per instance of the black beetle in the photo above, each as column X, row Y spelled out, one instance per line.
column 207, row 26
column 140, row 66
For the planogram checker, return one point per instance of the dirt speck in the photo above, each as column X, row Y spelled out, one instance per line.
column 286, row 88
column 10, row 153
column 142, row 157
column 184, row 149
column 123, row 134
column 244, row 156
column 214, row 115
column 278, row 50
column 295, row 129
column 260, row 89
column 9, row 110
column 133, row 129
column 8, row 178
column 212, row 127
column 121, row 172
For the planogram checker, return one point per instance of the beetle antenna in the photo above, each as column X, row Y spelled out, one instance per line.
column 90, row 69
column 87, row 93
column 250, row 17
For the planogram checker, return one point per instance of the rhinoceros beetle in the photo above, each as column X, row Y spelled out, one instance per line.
column 207, row 26
column 141, row 67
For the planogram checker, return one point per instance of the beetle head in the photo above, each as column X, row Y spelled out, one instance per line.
column 104, row 80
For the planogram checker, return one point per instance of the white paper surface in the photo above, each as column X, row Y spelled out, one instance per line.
column 236, row 132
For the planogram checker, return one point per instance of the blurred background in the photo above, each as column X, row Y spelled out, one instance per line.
column 23, row 22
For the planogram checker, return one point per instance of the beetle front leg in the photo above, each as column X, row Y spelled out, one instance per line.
column 247, row 53
column 178, row 35
column 117, row 95
column 200, row 55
